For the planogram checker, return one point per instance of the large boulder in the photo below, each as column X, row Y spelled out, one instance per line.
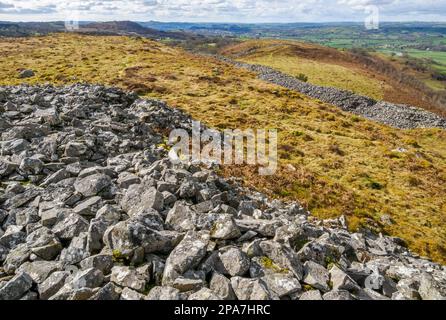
column 232, row 261
column 70, row 226
column 316, row 276
column 16, row 287
column 164, row 293
column 52, row 284
column 127, row 236
column 90, row 278
column 135, row 279
column 27, row 73
column 93, row 185
column 137, row 199
column 430, row 289
column 186, row 256
column 251, row 289
column 39, row 271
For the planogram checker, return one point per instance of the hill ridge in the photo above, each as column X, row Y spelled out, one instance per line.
column 396, row 115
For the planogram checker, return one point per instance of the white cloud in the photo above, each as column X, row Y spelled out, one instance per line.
column 222, row 10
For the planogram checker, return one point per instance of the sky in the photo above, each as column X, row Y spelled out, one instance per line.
column 249, row 11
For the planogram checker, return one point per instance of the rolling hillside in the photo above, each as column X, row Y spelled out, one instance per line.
column 381, row 178
column 130, row 28
column 370, row 75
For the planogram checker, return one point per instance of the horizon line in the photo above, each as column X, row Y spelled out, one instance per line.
column 220, row 22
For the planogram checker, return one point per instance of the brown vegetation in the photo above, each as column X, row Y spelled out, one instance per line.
column 398, row 86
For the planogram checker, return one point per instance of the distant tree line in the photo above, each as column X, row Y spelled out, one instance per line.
column 437, row 98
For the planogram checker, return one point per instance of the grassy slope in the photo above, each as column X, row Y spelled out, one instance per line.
column 341, row 164
column 277, row 55
column 325, row 74
column 327, row 67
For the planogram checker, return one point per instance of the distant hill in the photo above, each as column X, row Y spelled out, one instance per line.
column 24, row 29
column 129, row 27
column 117, row 26
column 295, row 30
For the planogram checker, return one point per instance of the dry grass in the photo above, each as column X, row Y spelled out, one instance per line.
column 330, row 67
column 342, row 164
column 321, row 73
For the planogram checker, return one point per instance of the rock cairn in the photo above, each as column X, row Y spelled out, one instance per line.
column 92, row 208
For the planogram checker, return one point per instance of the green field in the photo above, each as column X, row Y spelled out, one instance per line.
column 434, row 60
column 436, row 56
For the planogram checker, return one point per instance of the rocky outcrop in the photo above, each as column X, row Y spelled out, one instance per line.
column 395, row 115
column 91, row 208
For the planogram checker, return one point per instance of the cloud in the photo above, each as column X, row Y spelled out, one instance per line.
column 366, row 3
column 27, row 7
column 223, row 10
column 5, row 5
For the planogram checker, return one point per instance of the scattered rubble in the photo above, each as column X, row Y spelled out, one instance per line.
column 92, row 208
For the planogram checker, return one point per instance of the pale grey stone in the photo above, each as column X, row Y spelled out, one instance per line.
column 337, row 295
column 101, row 262
column 225, row 228
column 222, row 286
column 430, row 289
column 131, row 295
column 70, row 227
column 93, row 185
column 128, row 277
column 316, row 276
column 16, row 287
column 234, row 262
column 186, row 255
column 341, row 281
column 108, row 292
column 282, row 284
column 52, row 284
column 251, row 289
column 39, row 271
column 204, row 294
column 311, row 295
column 163, row 293
column 186, row 284
column 90, row 278
column 181, row 217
